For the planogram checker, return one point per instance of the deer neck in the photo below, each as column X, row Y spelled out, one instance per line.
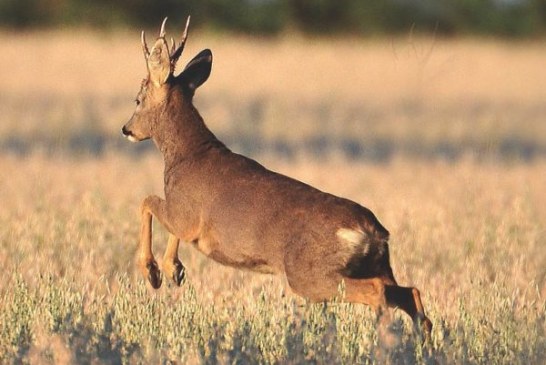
column 183, row 134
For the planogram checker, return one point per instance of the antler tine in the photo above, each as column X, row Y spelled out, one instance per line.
column 176, row 54
column 144, row 45
column 162, row 31
column 185, row 35
column 173, row 45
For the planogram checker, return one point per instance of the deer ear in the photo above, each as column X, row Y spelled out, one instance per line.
column 159, row 64
column 197, row 71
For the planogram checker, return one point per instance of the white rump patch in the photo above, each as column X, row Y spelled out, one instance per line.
column 355, row 238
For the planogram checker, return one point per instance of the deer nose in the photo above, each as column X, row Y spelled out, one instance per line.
column 129, row 134
column 125, row 132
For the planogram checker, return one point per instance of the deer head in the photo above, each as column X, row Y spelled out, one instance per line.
column 160, row 83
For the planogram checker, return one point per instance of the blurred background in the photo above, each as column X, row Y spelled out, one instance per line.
column 361, row 80
column 511, row 18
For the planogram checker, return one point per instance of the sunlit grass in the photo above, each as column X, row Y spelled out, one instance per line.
column 471, row 239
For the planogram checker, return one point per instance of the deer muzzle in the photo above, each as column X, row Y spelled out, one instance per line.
column 128, row 134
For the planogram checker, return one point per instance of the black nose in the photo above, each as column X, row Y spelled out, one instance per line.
column 125, row 132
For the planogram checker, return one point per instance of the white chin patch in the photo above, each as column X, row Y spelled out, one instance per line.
column 132, row 139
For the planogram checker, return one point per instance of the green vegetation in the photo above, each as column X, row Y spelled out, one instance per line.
column 54, row 323
column 70, row 292
column 516, row 18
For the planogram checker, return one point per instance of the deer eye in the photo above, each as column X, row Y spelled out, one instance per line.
column 137, row 102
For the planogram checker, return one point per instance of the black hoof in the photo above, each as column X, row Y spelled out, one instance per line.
column 154, row 275
column 423, row 327
column 179, row 273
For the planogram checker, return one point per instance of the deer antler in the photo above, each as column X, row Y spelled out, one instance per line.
column 175, row 54
column 173, row 46
column 143, row 39
column 174, row 51
column 144, row 45
column 162, row 30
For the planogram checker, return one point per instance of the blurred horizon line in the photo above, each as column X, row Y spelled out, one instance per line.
column 448, row 18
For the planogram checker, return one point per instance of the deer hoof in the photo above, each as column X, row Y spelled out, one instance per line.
column 179, row 273
column 424, row 329
column 154, row 275
column 427, row 328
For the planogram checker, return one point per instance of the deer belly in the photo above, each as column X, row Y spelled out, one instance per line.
column 230, row 257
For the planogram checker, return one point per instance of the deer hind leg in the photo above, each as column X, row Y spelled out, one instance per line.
column 367, row 291
column 380, row 294
column 151, row 206
column 172, row 266
column 409, row 300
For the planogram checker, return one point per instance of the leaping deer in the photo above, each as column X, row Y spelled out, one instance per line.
column 241, row 214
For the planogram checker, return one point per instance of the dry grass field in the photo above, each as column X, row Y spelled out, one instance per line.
column 444, row 140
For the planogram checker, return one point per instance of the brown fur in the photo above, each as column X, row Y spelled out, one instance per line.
column 241, row 214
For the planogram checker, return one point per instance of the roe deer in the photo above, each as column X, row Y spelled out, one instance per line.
column 241, row 214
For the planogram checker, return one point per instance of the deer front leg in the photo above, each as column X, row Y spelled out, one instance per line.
column 151, row 206
column 172, row 266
